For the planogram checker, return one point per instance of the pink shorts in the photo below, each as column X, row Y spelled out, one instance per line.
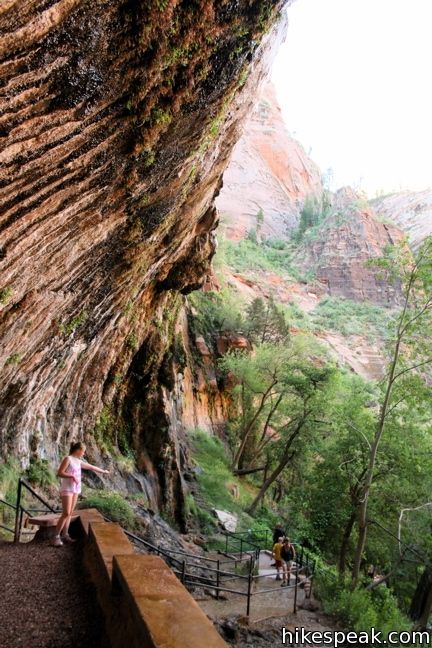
column 73, row 489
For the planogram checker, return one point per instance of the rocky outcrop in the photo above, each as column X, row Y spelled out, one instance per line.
column 409, row 210
column 268, row 171
column 348, row 238
column 117, row 120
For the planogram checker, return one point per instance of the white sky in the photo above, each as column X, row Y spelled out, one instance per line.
column 354, row 79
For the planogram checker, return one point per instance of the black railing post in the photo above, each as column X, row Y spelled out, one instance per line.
column 249, row 594
column 183, row 572
column 218, row 579
column 241, row 548
column 295, row 593
column 226, row 543
column 17, row 513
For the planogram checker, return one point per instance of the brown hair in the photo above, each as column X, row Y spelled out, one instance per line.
column 76, row 445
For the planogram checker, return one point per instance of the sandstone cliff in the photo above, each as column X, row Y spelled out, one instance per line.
column 268, row 170
column 116, row 122
column 338, row 250
column 411, row 211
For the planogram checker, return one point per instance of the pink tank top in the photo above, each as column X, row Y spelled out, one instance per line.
column 68, row 485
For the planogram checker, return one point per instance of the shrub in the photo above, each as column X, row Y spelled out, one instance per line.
column 40, row 473
column 113, row 505
column 9, row 475
column 215, row 476
column 351, row 318
column 359, row 609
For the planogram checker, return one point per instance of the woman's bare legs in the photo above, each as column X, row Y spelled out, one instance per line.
column 67, row 501
column 74, row 500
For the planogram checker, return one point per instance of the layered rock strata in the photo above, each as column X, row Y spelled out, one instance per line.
column 347, row 240
column 409, row 210
column 117, row 120
column 269, row 171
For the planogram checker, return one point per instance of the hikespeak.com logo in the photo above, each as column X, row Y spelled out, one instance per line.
column 301, row 636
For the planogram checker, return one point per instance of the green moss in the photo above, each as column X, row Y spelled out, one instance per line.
column 75, row 322
column 132, row 341
column 103, row 429
column 40, row 473
column 5, row 295
column 14, row 359
column 113, row 505
column 9, row 474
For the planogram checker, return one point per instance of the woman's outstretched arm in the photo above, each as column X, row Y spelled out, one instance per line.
column 96, row 469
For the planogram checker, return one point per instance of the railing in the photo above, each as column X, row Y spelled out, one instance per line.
column 13, row 507
column 199, row 571
column 20, row 510
column 241, row 543
column 194, row 570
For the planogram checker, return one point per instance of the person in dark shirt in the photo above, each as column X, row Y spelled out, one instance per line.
column 279, row 532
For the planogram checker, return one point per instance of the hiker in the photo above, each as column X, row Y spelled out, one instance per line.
column 70, row 473
column 278, row 532
column 288, row 554
column 276, row 555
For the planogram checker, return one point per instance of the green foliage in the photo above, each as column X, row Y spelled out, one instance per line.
column 216, row 312
column 9, row 475
column 190, row 505
column 113, row 505
column 310, row 216
column 14, row 359
column 76, row 322
column 5, row 295
column 249, row 256
column 40, row 473
column 206, row 521
column 103, row 430
column 352, row 318
column 132, row 341
column 359, row 609
column 266, row 322
column 210, row 455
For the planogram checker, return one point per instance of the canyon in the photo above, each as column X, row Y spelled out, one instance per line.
column 112, row 191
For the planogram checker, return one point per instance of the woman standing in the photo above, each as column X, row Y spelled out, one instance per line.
column 70, row 473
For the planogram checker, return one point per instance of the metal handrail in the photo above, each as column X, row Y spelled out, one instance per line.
column 20, row 509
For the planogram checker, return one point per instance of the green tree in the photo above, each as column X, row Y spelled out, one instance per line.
column 266, row 322
column 409, row 353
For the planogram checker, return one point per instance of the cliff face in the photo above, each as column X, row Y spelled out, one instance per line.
column 268, row 170
column 116, row 122
column 409, row 210
column 349, row 237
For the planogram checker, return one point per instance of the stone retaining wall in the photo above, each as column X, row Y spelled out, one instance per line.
column 144, row 604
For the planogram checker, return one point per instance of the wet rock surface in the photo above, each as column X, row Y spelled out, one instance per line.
column 117, row 120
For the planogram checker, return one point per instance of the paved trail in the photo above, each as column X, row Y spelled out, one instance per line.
column 46, row 600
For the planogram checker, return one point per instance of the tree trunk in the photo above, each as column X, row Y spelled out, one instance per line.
column 285, row 459
column 362, row 522
column 248, row 471
column 392, row 376
column 249, row 427
column 345, row 540
column 421, row 603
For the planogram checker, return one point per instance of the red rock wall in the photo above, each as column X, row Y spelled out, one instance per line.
column 116, row 121
column 350, row 237
column 268, row 170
